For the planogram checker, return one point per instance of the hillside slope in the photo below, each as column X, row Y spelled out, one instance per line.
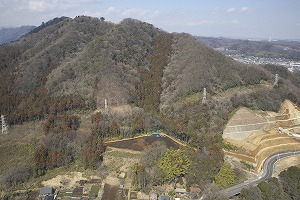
column 259, row 135
column 85, row 60
column 55, row 80
column 194, row 66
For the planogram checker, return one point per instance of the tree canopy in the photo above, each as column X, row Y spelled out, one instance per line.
column 226, row 176
column 174, row 163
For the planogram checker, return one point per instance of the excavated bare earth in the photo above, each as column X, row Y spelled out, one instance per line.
column 257, row 134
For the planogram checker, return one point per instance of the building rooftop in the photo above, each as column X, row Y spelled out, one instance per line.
column 46, row 191
column 164, row 197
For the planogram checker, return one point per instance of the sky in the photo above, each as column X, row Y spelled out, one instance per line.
column 256, row 19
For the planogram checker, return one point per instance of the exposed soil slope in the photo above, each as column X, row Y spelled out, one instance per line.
column 260, row 134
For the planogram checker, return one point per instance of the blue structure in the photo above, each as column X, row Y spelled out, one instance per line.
column 156, row 133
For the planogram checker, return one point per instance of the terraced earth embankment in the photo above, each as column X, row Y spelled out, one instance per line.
column 258, row 135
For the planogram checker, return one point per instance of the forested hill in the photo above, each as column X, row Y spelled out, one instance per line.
column 77, row 63
column 58, row 76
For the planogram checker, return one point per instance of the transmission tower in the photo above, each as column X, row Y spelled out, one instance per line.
column 4, row 128
column 204, row 96
column 276, row 80
column 105, row 104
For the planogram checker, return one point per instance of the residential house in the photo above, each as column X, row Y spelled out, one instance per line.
column 195, row 190
column 164, row 197
column 46, row 193
column 180, row 190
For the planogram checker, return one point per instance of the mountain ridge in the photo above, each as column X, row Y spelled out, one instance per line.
column 8, row 35
column 99, row 60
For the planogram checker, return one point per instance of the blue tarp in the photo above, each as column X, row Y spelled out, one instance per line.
column 155, row 133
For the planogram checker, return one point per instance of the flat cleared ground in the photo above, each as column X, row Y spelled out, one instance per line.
column 140, row 143
column 67, row 181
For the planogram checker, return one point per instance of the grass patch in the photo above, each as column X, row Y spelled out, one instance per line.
column 229, row 147
column 94, row 191
column 240, row 176
column 191, row 98
column 247, row 166
column 115, row 159
column 12, row 154
column 186, row 99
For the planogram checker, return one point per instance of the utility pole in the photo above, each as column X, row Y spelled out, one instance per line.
column 276, row 80
column 204, row 96
column 4, row 127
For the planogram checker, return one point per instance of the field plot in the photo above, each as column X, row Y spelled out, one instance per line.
column 114, row 193
column 140, row 143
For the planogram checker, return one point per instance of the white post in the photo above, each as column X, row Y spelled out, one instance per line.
column 204, row 96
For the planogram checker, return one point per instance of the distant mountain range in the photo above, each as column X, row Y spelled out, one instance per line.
column 8, row 35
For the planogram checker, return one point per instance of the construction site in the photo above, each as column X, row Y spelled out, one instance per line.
column 255, row 135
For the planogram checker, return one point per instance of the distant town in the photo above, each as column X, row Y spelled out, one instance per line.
column 260, row 52
column 291, row 65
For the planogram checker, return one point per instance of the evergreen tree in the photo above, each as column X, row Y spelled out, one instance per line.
column 226, row 176
column 174, row 163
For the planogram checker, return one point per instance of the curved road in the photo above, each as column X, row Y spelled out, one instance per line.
column 267, row 173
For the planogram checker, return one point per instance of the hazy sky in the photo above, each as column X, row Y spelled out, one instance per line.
column 229, row 18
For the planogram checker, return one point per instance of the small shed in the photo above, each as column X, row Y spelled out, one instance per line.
column 180, row 190
column 122, row 183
